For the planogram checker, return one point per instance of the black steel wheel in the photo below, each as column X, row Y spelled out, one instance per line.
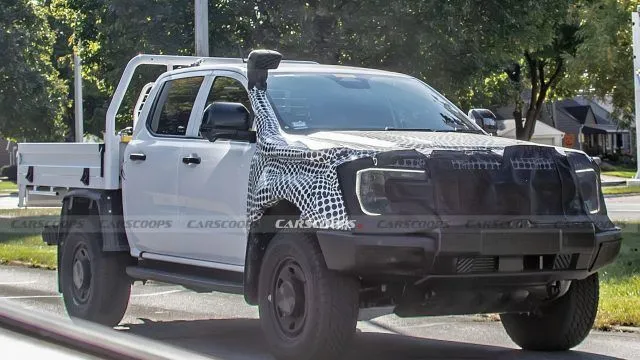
column 94, row 283
column 289, row 302
column 81, row 274
column 306, row 310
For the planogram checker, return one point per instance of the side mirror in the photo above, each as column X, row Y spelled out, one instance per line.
column 225, row 120
column 485, row 119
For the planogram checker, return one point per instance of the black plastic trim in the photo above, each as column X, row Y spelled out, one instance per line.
column 109, row 208
column 29, row 175
column 194, row 282
column 85, row 176
column 101, row 150
column 426, row 254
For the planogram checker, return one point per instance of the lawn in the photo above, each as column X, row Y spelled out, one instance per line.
column 628, row 174
column 620, row 284
column 8, row 187
column 20, row 240
column 618, row 190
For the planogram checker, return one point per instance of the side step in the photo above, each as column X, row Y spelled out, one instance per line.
column 193, row 282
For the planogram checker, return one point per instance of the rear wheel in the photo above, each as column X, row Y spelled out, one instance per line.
column 306, row 311
column 94, row 283
column 560, row 325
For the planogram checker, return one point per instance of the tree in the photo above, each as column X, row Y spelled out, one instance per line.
column 603, row 66
column 545, row 68
column 31, row 94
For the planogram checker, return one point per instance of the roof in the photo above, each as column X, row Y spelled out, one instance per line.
column 289, row 67
column 507, row 128
column 579, row 112
column 602, row 129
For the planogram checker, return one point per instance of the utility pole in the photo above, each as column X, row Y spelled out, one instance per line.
column 635, row 21
column 77, row 98
column 202, row 27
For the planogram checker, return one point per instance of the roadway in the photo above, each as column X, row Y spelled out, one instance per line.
column 223, row 326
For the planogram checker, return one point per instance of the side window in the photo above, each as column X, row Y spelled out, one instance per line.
column 173, row 107
column 228, row 90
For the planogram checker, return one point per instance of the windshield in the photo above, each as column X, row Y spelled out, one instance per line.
column 313, row 102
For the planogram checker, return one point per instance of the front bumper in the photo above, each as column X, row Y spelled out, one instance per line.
column 479, row 256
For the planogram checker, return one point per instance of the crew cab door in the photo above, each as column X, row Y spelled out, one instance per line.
column 151, row 162
column 212, row 186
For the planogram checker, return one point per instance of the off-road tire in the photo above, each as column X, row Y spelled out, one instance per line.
column 560, row 325
column 108, row 287
column 330, row 301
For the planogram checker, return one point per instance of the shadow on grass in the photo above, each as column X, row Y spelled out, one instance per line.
column 243, row 339
column 18, row 229
column 627, row 263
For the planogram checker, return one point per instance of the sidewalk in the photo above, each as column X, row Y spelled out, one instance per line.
column 608, row 180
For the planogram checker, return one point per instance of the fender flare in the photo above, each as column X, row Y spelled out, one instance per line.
column 108, row 208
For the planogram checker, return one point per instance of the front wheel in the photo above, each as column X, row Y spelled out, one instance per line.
column 94, row 284
column 560, row 325
column 306, row 310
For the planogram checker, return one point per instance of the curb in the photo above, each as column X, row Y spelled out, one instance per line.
column 626, row 329
column 621, row 195
column 614, row 183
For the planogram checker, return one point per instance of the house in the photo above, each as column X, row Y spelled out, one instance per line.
column 591, row 125
column 587, row 125
column 542, row 134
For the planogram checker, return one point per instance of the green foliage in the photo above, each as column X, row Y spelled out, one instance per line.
column 31, row 94
column 603, row 66
column 460, row 47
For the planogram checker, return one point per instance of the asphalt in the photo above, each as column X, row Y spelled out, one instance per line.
column 224, row 326
column 623, row 208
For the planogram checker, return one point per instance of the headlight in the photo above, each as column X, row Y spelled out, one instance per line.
column 373, row 187
column 589, row 190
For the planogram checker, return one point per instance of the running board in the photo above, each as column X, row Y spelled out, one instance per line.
column 193, row 282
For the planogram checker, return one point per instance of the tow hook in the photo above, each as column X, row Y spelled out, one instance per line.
column 558, row 289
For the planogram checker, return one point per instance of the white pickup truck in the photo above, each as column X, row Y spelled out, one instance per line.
column 317, row 191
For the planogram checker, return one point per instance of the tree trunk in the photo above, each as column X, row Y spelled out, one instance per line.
column 517, row 117
column 539, row 90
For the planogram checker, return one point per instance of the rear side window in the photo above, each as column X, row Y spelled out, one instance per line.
column 173, row 107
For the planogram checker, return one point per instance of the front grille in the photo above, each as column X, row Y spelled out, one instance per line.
column 467, row 265
column 525, row 180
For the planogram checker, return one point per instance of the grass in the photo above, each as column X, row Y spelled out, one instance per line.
column 8, row 187
column 20, row 239
column 618, row 190
column 620, row 284
column 27, row 250
column 27, row 212
column 628, row 174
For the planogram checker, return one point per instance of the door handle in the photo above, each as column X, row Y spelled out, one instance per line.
column 191, row 159
column 138, row 156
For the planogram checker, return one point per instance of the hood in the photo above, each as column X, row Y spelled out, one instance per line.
column 423, row 142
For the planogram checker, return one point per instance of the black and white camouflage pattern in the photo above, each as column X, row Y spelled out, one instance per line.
column 290, row 171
